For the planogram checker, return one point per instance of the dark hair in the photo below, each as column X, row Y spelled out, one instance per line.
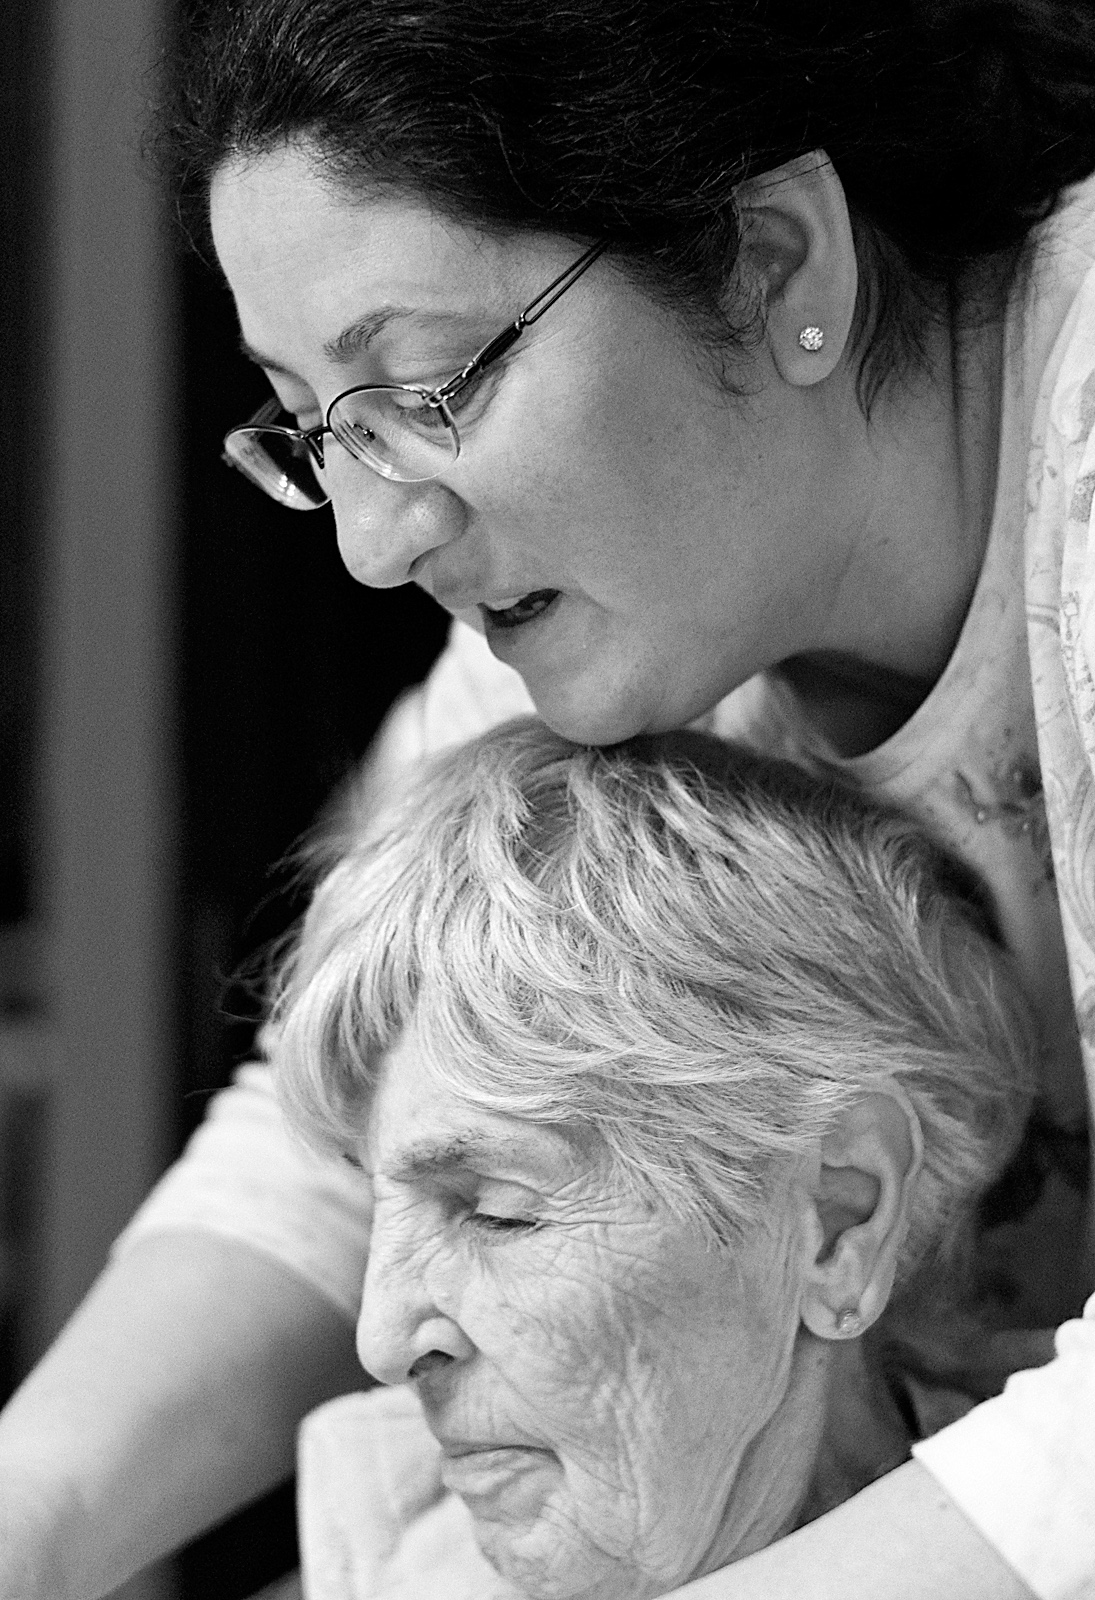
column 953, row 124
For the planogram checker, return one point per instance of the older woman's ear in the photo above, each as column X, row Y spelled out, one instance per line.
column 856, row 1200
column 798, row 251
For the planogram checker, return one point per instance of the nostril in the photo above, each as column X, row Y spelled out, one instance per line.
column 429, row 1363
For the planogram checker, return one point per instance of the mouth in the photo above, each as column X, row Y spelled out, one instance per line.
column 482, row 1470
column 484, row 1451
column 514, row 613
column 456, row 1450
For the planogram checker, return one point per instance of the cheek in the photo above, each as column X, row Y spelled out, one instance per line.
column 606, row 471
column 610, row 513
column 562, row 1331
column 709, row 1355
column 647, row 1370
column 598, row 1356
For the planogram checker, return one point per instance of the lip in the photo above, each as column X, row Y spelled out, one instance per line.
column 469, row 596
column 536, row 604
column 455, row 1447
column 480, row 1471
column 462, row 1452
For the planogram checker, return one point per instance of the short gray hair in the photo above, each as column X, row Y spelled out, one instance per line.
column 699, row 954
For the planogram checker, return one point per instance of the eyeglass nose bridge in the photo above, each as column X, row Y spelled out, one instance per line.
column 312, row 439
column 265, row 420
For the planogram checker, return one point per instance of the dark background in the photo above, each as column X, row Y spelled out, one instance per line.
column 23, row 71
column 287, row 666
column 23, row 68
column 283, row 669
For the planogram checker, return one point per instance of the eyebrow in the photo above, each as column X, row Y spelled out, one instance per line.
column 466, row 1152
column 346, row 346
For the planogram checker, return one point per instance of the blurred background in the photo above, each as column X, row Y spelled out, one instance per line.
column 185, row 671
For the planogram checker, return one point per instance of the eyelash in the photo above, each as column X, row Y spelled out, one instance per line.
column 486, row 1222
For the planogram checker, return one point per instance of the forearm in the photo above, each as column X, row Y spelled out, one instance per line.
column 901, row 1539
column 172, row 1398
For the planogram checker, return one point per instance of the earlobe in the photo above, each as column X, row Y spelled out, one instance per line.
column 857, row 1201
column 798, row 247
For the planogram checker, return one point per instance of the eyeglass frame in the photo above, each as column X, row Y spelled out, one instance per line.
column 438, row 399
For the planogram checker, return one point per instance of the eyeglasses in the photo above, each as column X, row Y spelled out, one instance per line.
column 404, row 431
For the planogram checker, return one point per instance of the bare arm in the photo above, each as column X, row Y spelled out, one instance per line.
column 174, row 1395
column 171, row 1399
column 901, row 1539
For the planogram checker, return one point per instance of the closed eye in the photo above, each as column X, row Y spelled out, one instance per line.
column 487, row 1222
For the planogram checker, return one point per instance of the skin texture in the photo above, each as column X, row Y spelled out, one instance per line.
column 695, row 536
column 595, row 1375
column 620, row 1405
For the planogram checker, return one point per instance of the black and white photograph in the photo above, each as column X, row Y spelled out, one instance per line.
column 547, row 800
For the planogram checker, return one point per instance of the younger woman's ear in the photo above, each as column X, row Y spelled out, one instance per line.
column 857, row 1197
column 798, row 250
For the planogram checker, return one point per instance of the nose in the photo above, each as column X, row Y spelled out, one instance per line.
column 384, row 527
column 401, row 1330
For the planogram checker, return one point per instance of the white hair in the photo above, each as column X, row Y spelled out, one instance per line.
column 698, row 954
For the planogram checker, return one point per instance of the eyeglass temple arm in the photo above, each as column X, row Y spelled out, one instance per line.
column 532, row 313
column 536, row 308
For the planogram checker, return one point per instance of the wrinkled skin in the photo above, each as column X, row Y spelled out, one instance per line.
column 620, row 1407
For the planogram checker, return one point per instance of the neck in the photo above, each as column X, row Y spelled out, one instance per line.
column 834, row 1431
column 854, row 705
column 863, row 1435
column 922, row 481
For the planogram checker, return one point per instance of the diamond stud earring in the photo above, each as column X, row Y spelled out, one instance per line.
column 811, row 339
column 849, row 1322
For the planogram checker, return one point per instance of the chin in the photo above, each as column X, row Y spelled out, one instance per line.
column 604, row 702
column 546, row 1556
column 544, row 1563
column 586, row 715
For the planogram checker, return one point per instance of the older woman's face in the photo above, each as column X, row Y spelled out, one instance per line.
column 611, row 1397
column 668, row 540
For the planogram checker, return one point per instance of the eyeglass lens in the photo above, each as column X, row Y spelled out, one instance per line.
column 278, row 463
column 396, row 431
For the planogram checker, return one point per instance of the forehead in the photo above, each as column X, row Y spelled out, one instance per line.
column 303, row 259
column 420, row 1129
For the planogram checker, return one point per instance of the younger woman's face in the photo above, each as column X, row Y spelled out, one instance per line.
column 674, row 539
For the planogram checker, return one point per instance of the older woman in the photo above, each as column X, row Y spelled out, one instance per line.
column 707, row 361
column 672, row 1075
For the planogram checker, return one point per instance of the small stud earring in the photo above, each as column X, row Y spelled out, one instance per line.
column 811, row 339
column 849, row 1322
